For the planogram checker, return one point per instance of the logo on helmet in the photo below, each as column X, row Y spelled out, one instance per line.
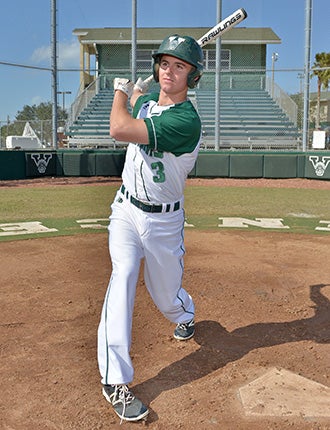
column 174, row 41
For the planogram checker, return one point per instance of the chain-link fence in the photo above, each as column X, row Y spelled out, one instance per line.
column 253, row 107
column 260, row 107
column 256, row 112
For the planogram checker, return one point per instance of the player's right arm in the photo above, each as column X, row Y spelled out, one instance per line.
column 123, row 127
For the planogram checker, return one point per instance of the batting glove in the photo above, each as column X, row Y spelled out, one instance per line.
column 142, row 86
column 124, row 85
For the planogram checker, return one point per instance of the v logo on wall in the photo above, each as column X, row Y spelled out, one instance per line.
column 41, row 161
column 319, row 163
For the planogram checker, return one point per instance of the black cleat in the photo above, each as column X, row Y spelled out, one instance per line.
column 185, row 331
column 125, row 404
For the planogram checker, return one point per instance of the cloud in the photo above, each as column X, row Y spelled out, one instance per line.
column 41, row 55
column 67, row 55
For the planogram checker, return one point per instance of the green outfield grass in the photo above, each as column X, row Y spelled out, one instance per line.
column 55, row 202
column 60, row 207
column 266, row 202
column 300, row 209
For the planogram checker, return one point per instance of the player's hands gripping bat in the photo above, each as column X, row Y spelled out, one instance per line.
column 142, row 85
column 127, row 86
column 124, row 85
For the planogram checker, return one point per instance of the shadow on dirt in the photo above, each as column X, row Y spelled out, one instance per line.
column 219, row 347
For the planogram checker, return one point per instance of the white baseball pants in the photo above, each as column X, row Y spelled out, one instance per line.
column 133, row 235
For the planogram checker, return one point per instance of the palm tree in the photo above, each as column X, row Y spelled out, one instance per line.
column 322, row 71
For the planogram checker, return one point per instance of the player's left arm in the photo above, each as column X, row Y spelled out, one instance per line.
column 141, row 87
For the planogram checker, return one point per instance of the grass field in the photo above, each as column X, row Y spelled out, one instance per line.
column 61, row 207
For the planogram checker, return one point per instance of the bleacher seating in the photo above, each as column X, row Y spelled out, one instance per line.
column 91, row 127
column 248, row 119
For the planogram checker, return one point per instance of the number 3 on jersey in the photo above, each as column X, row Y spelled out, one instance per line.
column 159, row 171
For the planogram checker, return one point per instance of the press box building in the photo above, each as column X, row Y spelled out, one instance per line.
column 109, row 51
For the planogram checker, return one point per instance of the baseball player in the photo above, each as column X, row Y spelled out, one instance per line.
column 147, row 218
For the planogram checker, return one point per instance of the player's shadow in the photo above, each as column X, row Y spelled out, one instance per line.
column 219, row 347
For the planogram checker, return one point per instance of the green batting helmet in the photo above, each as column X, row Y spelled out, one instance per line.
column 187, row 49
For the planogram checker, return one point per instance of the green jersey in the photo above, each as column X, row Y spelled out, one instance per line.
column 156, row 173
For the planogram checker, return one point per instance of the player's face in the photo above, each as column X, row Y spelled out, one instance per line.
column 173, row 74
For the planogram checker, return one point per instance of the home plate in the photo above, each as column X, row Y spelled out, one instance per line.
column 282, row 393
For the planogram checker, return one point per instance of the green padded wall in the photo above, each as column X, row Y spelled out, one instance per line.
column 280, row 166
column 12, row 165
column 16, row 164
column 212, row 164
column 246, row 166
column 78, row 163
column 109, row 164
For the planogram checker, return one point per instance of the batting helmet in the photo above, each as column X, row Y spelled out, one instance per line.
column 187, row 49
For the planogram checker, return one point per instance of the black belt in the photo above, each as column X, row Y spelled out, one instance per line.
column 150, row 208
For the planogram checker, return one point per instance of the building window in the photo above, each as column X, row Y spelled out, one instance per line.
column 144, row 59
column 210, row 59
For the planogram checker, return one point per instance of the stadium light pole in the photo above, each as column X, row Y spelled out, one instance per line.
column 54, row 72
column 308, row 23
column 134, row 42
column 218, row 81
column 300, row 77
column 274, row 59
column 63, row 97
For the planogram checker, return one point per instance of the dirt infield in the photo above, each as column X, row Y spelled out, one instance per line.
column 262, row 302
column 217, row 182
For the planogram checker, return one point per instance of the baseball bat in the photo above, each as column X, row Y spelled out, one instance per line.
column 218, row 30
column 222, row 27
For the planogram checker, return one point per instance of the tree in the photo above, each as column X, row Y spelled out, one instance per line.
column 322, row 71
column 41, row 112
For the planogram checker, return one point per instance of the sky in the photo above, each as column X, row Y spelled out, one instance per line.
column 25, row 38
